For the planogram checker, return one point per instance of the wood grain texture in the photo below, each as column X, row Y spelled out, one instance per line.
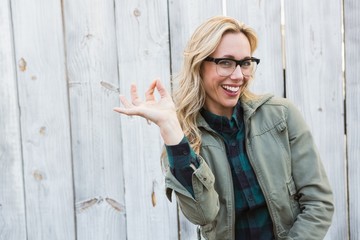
column 44, row 119
column 12, row 206
column 314, row 83
column 71, row 168
column 265, row 18
column 143, row 55
column 352, row 77
column 184, row 18
column 96, row 136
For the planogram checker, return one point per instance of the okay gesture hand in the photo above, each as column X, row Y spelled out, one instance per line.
column 161, row 112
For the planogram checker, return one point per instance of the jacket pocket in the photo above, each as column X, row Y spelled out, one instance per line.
column 294, row 198
column 207, row 231
column 280, row 135
column 283, row 199
column 281, row 127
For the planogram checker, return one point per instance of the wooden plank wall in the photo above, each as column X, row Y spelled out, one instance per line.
column 12, row 206
column 90, row 41
column 352, row 78
column 71, row 168
column 44, row 119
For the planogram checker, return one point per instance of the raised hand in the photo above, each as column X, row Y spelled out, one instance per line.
column 161, row 112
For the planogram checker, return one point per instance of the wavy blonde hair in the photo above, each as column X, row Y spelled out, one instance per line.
column 190, row 95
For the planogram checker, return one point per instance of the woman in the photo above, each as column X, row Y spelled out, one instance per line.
column 242, row 166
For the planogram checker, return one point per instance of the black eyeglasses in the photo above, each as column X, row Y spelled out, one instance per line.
column 226, row 66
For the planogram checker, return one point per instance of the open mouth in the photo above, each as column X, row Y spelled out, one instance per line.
column 230, row 89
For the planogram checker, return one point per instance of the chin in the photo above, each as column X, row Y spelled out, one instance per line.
column 230, row 104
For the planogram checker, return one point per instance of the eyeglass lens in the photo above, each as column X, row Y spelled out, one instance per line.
column 227, row 67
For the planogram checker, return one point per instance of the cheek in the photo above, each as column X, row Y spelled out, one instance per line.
column 208, row 70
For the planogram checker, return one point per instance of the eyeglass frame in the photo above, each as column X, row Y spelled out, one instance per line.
column 237, row 62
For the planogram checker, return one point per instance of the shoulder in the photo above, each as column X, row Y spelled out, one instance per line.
column 279, row 103
column 256, row 101
column 270, row 106
column 286, row 110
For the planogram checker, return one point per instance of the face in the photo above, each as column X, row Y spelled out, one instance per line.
column 222, row 93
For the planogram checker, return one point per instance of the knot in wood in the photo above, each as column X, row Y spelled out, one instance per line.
column 136, row 12
column 38, row 175
column 22, row 64
column 42, row 131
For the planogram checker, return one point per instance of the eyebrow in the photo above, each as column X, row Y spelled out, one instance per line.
column 232, row 57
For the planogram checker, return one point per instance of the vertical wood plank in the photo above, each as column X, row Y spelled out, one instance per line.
column 314, row 82
column 96, row 134
column 12, row 207
column 143, row 55
column 39, row 51
column 184, row 17
column 352, row 76
column 265, row 18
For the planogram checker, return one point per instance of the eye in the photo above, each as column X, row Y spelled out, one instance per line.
column 226, row 63
column 246, row 63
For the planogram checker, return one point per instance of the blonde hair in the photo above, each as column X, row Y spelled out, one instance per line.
column 190, row 96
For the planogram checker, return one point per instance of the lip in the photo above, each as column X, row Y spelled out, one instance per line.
column 230, row 89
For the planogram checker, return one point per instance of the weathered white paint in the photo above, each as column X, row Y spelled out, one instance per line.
column 116, row 159
column 96, row 134
column 184, row 18
column 44, row 119
column 265, row 18
column 143, row 55
column 12, row 207
column 352, row 76
column 314, row 83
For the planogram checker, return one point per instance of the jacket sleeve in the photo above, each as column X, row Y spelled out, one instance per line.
column 182, row 162
column 313, row 189
column 202, row 207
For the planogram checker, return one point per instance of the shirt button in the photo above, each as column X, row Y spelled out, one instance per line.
column 238, row 170
column 250, row 198
column 233, row 143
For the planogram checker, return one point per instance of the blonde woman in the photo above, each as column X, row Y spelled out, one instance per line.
column 242, row 166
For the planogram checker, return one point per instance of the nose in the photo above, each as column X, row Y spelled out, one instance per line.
column 237, row 74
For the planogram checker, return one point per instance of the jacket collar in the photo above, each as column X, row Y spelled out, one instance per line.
column 251, row 105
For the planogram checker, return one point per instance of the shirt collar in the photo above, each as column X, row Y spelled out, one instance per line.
column 222, row 123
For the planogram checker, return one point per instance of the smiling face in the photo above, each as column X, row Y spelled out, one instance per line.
column 222, row 93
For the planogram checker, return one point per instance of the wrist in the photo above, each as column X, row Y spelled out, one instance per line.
column 171, row 131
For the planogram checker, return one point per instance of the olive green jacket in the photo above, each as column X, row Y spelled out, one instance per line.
column 282, row 153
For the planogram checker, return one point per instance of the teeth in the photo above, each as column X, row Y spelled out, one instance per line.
column 229, row 88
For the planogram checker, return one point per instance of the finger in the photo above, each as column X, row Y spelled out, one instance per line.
column 125, row 102
column 149, row 94
column 128, row 108
column 126, row 111
column 161, row 89
column 134, row 96
column 119, row 110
